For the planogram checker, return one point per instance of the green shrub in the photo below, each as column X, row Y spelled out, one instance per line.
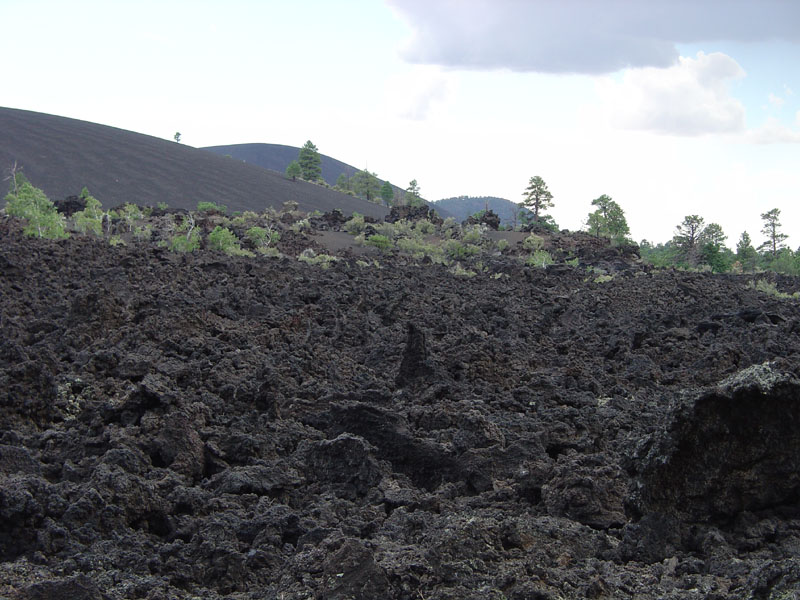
column 473, row 234
column 355, row 225
column 31, row 203
column 460, row 271
column 90, row 219
column 143, row 233
column 533, row 242
column 116, row 241
column 425, row 227
column 502, row 244
column 162, row 206
column 381, row 242
column 224, row 240
column 312, row 258
column 540, row 258
column 185, row 243
column 458, row 251
column 261, row 237
column 211, row 206
column 769, row 288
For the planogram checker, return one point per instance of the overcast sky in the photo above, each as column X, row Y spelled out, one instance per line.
column 671, row 107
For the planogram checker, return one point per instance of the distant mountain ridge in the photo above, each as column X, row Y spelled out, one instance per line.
column 277, row 157
column 462, row 207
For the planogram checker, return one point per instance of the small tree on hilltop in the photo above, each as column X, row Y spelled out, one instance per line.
column 771, row 229
column 412, row 196
column 608, row 220
column 310, row 162
column 293, row 171
column 537, row 198
column 745, row 253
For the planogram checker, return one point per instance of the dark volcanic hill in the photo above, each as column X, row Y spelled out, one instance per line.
column 277, row 157
column 180, row 426
column 62, row 155
column 462, row 207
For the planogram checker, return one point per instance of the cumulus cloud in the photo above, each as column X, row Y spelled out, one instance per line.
column 690, row 98
column 414, row 94
column 776, row 100
column 583, row 36
column 774, row 132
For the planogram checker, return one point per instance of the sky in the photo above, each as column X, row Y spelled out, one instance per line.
column 671, row 107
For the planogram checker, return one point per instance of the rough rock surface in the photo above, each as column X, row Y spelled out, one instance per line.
column 183, row 426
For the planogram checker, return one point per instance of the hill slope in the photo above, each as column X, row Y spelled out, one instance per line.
column 62, row 155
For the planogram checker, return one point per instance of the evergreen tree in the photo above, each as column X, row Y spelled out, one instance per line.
column 293, row 171
column 366, row 185
column 537, row 198
column 412, row 196
column 387, row 193
column 712, row 249
column 687, row 237
column 310, row 162
column 745, row 253
column 771, row 229
column 343, row 183
column 608, row 220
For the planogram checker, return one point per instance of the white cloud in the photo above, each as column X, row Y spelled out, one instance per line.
column 688, row 99
column 583, row 36
column 774, row 132
column 416, row 93
column 776, row 100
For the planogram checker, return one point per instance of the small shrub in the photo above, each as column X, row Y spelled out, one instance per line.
column 502, row 244
column 224, row 240
column 33, row 205
column 301, row 226
column 540, row 258
column 143, row 233
column 355, row 225
column 261, row 237
column 312, row 258
column 458, row 251
column 205, row 207
column 603, row 278
column 425, row 227
column 533, row 242
column 185, row 243
column 573, row 262
column 381, row 242
column 769, row 288
column 460, row 271
column 116, row 241
column 269, row 252
column 162, row 206
column 473, row 234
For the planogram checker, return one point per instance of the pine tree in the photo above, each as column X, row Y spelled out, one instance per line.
column 775, row 238
column 310, row 162
column 387, row 193
column 537, row 198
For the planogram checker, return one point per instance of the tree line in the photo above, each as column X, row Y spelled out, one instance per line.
column 697, row 244
column 363, row 184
